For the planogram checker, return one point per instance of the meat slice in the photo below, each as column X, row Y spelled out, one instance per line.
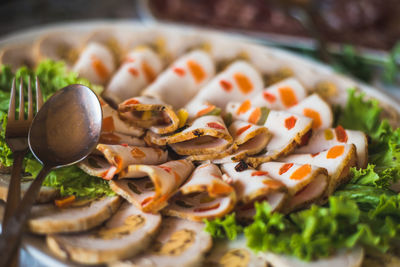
column 81, row 216
column 180, row 243
column 125, row 234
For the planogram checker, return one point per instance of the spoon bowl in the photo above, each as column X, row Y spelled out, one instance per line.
column 67, row 128
column 64, row 132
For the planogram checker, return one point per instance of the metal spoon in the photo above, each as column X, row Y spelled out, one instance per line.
column 64, row 131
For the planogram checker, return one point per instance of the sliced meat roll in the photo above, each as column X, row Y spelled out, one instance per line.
column 337, row 160
column 95, row 63
column 324, row 139
column 46, row 194
column 240, row 80
column 252, row 185
column 204, row 196
column 112, row 123
column 229, row 253
column 116, row 40
column 280, row 96
column 245, row 111
column 287, row 130
column 58, row 46
column 17, row 55
column 343, row 258
column 120, row 157
column 81, row 216
column 126, row 233
column 248, row 139
column 180, row 243
column 317, row 109
column 151, row 113
column 139, row 69
column 305, row 183
column 151, row 194
column 187, row 74
column 206, row 135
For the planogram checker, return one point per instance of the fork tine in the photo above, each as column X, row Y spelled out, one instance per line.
column 39, row 96
column 30, row 104
column 21, row 99
column 11, row 106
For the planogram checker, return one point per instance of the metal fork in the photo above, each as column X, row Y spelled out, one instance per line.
column 17, row 139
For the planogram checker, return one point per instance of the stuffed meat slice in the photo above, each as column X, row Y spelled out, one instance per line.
column 139, row 69
column 248, row 139
column 183, row 79
column 112, row 123
column 240, row 80
column 280, row 96
column 252, row 185
column 229, row 253
column 344, row 258
column 324, row 139
column 95, row 63
column 58, row 46
column 288, row 130
column 317, row 109
column 206, row 135
column 150, row 113
column 158, row 183
column 204, row 196
column 79, row 216
column 337, row 160
column 119, row 157
column 305, row 183
column 125, row 234
column 180, row 243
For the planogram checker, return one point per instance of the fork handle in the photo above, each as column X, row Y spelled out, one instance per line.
column 11, row 236
column 14, row 188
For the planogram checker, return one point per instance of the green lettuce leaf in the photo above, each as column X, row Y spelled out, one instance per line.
column 5, row 152
column 223, row 227
column 319, row 231
column 359, row 114
column 71, row 181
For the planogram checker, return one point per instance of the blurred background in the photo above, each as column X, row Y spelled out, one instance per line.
column 357, row 37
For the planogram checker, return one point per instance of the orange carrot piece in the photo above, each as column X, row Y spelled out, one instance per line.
column 255, row 116
column 308, row 112
column 335, row 152
column 197, row 71
column 301, row 172
column 242, row 129
column 243, row 82
column 99, row 67
column 65, row 201
column 288, row 97
column 244, row 107
column 285, row 168
column 290, row 122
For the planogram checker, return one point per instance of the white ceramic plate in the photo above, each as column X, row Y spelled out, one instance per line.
column 266, row 59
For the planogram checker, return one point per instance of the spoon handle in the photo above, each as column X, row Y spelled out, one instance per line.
column 10, row 238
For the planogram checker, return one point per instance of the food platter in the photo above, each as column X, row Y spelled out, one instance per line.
column 223, row 47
